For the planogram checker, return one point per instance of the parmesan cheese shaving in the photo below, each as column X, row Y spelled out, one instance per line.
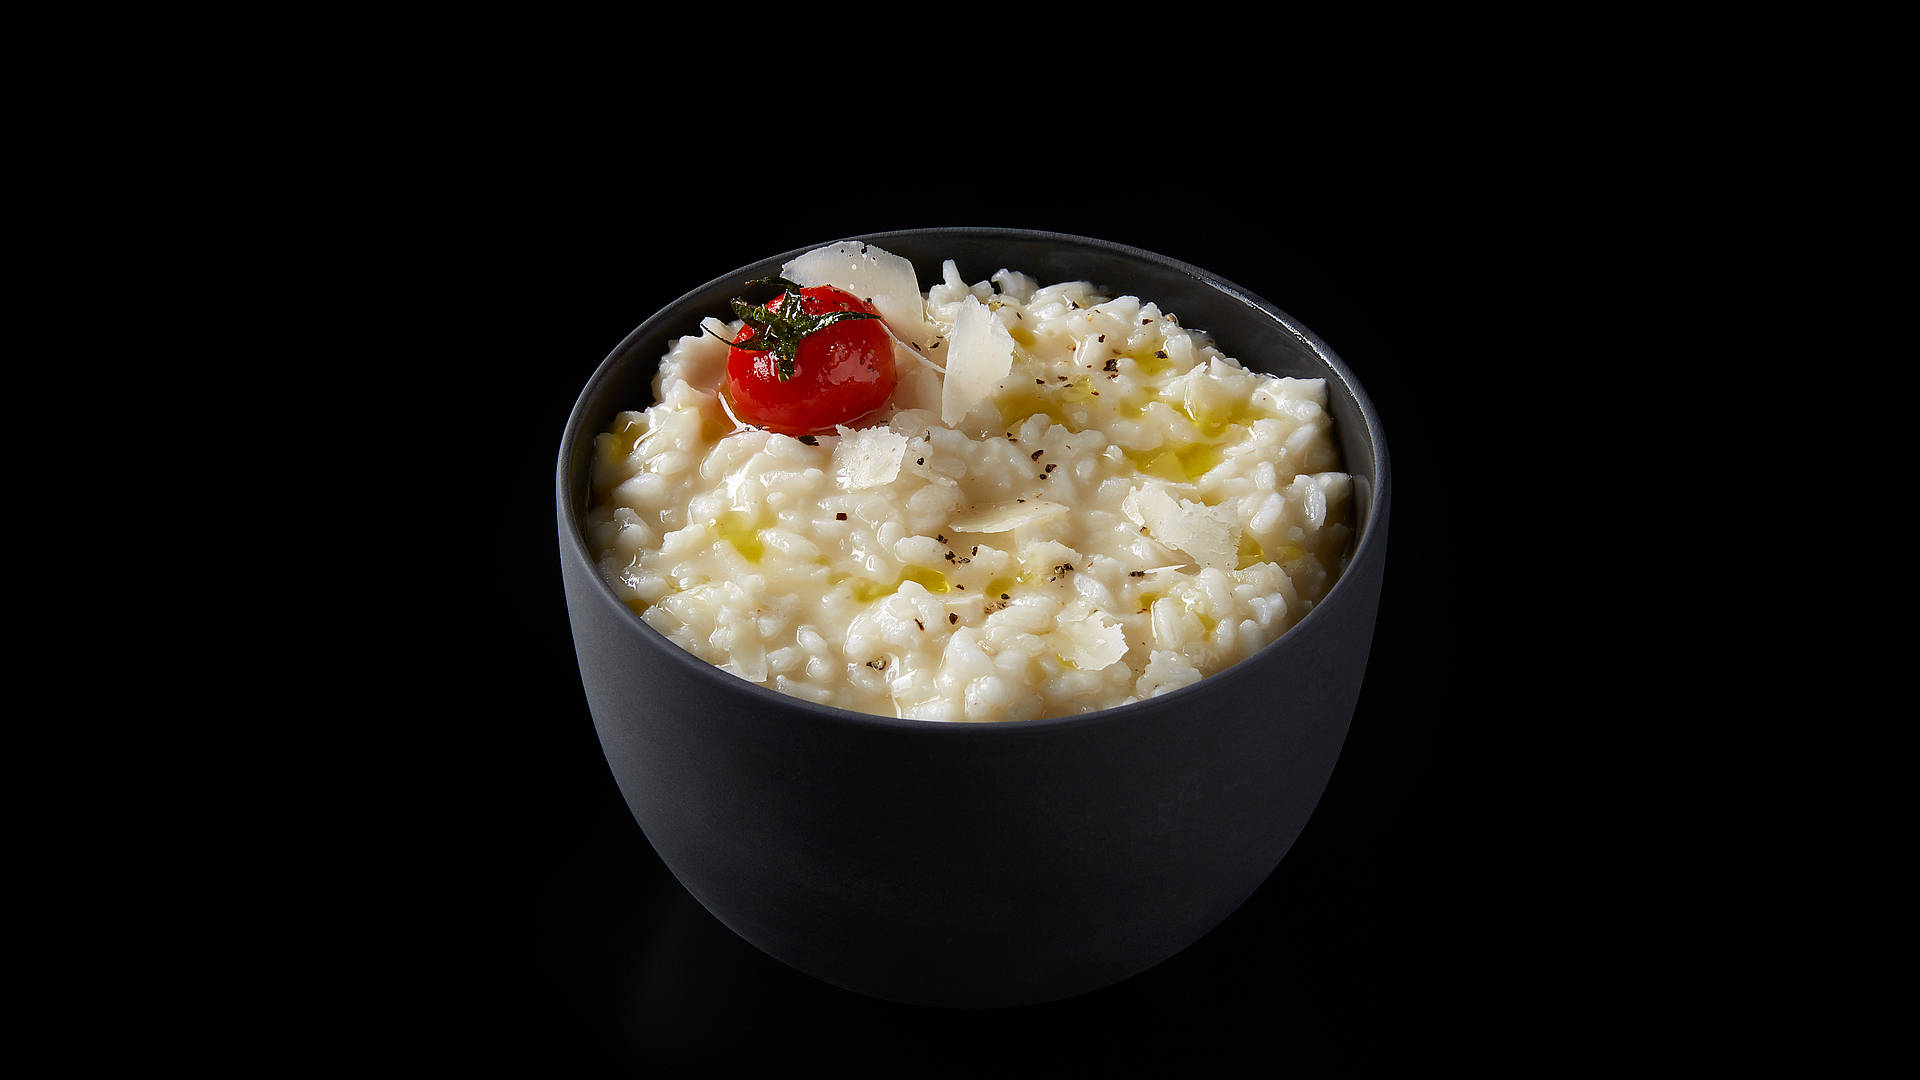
column 980, row 354
column 868, row 458
column 882, row 278
column 1088, row 639
column 1207, row 535
column 1004, row 517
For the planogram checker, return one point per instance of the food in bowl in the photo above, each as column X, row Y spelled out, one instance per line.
column 1064, row 501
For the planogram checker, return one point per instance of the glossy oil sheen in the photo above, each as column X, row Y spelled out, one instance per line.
column 980, row 865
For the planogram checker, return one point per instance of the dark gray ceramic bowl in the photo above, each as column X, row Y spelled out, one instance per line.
column 979, row 864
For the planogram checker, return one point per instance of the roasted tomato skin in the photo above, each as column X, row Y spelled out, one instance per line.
column 842, row 371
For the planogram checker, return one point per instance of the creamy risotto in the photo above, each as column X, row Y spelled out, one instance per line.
column 1070, row 502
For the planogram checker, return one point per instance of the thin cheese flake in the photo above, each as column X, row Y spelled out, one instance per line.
column 884, row 279
column 1007, row 516
column 1203, row 533
column 1088, row 639
column 980, row 355
column 868, row 458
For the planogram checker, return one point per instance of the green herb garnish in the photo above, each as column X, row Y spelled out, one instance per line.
column 780, row 331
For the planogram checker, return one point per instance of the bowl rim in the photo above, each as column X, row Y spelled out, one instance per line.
column 573, row 535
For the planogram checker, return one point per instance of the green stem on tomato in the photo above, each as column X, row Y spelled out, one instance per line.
column 780, row 331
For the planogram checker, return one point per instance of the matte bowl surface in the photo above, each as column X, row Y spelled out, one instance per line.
column 980, row 865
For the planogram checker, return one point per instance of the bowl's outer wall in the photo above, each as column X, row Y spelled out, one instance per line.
column 979, row 865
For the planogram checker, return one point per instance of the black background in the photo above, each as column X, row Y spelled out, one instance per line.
column 524, row 916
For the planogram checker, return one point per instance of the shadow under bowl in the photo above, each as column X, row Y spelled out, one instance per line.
column 980, row 865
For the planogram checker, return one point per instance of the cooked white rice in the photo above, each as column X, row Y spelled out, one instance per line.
column 1128, row 511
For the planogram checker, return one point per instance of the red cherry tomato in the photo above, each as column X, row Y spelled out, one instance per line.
column 842, row 371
